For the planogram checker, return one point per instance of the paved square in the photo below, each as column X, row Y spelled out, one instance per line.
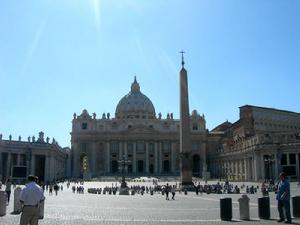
column 82, row 209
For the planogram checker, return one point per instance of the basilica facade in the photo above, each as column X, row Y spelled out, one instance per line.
column 148, row 142
column 261, row 144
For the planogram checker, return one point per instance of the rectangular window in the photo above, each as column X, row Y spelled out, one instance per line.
column 140, row 147
column 166, row 146
column 283, row 159
column 289, row 170
column 292, row 159
column 151, row 147
column 195, row 146
column 114, row 147
column 83, row 147
column 84, row 126
column 195, row 126
column 130, row 147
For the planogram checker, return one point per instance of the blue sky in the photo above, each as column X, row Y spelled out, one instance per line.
column 59, row 57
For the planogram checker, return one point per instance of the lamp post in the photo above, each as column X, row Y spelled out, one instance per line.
column 124, row 190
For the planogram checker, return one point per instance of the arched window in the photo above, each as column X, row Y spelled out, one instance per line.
column 195, row 126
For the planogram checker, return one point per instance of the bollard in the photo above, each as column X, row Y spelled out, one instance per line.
column 151, row 192
column 41, row 210
column 17, row 203
column 226, row 209
column 244, row 207
column 264, row 208
column 3, row 200
column 296, row 206
column 185, row 191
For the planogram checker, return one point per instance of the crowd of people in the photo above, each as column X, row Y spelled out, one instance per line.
column 282, row 190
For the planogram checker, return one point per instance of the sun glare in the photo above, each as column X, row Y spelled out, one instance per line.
column 96, row 4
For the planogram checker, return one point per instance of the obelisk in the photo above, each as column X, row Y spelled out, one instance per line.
column 185, row 139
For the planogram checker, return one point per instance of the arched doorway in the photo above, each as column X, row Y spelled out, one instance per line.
column 196, row 165
column 84, row 165
column 151, row 168
column 140, row 166
column 114, row 166
column 166, row 166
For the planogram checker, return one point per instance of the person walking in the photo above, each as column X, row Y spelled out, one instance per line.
column 173, row 192
column 167, row 190
column 31, row 196
column 8, row 189
column 283, row 198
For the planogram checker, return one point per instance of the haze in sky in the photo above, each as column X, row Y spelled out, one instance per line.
column 60, row 57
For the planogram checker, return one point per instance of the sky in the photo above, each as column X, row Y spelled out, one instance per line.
column 58, row 57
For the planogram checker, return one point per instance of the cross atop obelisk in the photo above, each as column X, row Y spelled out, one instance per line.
column 182, row 58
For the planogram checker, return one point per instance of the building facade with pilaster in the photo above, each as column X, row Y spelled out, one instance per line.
column 261, row 144
column 39, row 157
column 149, row 142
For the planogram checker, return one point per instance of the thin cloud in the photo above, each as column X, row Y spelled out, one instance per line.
column 33, row 46
column 97, row 13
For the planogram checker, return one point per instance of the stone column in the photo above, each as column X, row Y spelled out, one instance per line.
column 241, row 173
column 232, row 169
column 147, row 158
column 203, row 149
column 94, row 157
column 251, row 168
column 134, row 158
column 125, row 150
column 160, row 158
column 256, row 166
column 120, row 150
column 276, row 163
column 246, row 175
column 8, row 165
column 107, row 157
column 27, row 159
column 155, row 158
column 47, row 168
column 173, row 157
column 76, row 160
column 1, row 166
column 262, row 167
column 18, row 159
column 53, row 169
column 32, row 164
column 236, row 169
column 297, row 167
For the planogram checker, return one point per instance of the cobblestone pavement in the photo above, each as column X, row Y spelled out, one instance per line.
column 82, row 209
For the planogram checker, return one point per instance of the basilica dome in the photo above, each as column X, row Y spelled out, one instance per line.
column 135, row 105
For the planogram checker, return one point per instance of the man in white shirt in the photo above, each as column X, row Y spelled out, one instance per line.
column 31, row 196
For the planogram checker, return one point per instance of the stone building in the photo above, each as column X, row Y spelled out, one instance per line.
column 38, row 156
column 137, row 134
column 261, row 144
